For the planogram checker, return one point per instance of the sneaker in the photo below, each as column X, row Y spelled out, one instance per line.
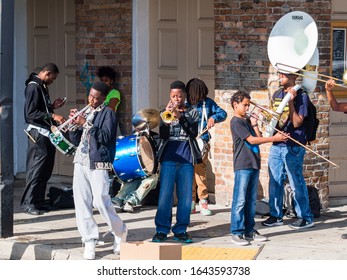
column 89, row 250
column 239, row 240
column 301, row 223
column 128, row 207
column 255, row 236
column 344, row 236
column 159, row 237
column 272, row 221
column 204, row 208
column 118, row 240
column 183, row 237
column 193, row 208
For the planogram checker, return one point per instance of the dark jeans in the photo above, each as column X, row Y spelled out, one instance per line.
column 39, row 167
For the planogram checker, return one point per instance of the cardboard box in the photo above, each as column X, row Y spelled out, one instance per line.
column 144, row 250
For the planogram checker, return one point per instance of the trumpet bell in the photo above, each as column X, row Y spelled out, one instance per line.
column 293, row 38
column 167, row 116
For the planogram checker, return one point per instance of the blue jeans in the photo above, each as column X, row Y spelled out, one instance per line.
column 181, row 174
column 244, row 201
column 286, row 160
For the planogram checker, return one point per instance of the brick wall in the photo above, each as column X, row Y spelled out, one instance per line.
column 242, row 29
column 103, row 38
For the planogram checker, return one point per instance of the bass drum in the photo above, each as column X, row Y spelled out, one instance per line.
column 135, row 157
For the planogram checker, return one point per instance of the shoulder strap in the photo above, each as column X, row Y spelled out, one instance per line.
column 44, row 99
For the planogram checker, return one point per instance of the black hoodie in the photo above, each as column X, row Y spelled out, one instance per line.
column 36, row 101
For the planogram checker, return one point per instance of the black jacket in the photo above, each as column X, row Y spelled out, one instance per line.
column 36, row 100
column 102, row 141
column 189, row 122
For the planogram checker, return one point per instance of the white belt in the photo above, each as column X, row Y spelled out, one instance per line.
column 43, row 131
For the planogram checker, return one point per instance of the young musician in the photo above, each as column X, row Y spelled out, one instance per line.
column 246, row 139
column 177, row 155
column 95, row 140
column 39, row 115
column 209, row 114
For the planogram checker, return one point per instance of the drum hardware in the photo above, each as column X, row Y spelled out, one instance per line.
column 168, row 116
column 146, row 119
column 292, row 139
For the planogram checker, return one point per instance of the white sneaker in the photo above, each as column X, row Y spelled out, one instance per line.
column 203, row 203
column 89, row 250
column 128, row 207
column 119, row 240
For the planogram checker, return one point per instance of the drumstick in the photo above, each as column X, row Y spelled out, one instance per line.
column 32, row 139
column 202, row 132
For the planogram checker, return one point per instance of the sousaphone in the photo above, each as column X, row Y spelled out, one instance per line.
column 292, row 46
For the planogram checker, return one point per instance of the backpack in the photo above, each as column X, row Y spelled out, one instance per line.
column 311, row 122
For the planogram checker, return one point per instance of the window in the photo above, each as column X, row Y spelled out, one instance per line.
column 338, row 54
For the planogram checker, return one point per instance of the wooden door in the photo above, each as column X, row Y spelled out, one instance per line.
column 338, row 153
column 181, row 45
column 51, row 38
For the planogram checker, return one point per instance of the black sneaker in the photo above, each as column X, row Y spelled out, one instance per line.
column 272, row 221
column 344, row 236
column 159, row 237
column 301, row 223
column 183, row 237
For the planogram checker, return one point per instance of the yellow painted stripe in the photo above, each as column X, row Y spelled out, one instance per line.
column 212, row 253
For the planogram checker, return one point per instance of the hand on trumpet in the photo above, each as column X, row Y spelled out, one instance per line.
column 77, row 120
column 173, row 108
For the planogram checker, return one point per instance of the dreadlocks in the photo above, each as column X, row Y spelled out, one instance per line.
column 196, row 91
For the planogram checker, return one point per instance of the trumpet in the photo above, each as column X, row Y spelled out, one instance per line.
column 68, row 125
column 168, row 116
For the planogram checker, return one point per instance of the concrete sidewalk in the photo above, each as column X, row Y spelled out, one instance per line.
column 55, row 236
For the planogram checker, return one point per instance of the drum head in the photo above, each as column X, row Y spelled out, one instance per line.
column 147, row 152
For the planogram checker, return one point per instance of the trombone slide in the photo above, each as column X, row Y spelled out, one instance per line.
column 295, row 141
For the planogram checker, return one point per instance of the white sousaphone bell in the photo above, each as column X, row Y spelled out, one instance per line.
column 292, row 47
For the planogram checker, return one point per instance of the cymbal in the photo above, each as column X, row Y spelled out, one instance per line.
column 144, row 117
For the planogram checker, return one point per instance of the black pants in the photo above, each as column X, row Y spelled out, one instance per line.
column 39, row 167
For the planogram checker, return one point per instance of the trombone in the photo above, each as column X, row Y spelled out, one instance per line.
column 311, row 69
column 279, row 131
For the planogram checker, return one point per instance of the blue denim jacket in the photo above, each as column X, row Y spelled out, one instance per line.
column 212, row 111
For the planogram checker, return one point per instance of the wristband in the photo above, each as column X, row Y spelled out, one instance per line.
column 254, row 125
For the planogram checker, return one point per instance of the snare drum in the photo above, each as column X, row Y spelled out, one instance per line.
column 61, row 143
column 135, row 157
